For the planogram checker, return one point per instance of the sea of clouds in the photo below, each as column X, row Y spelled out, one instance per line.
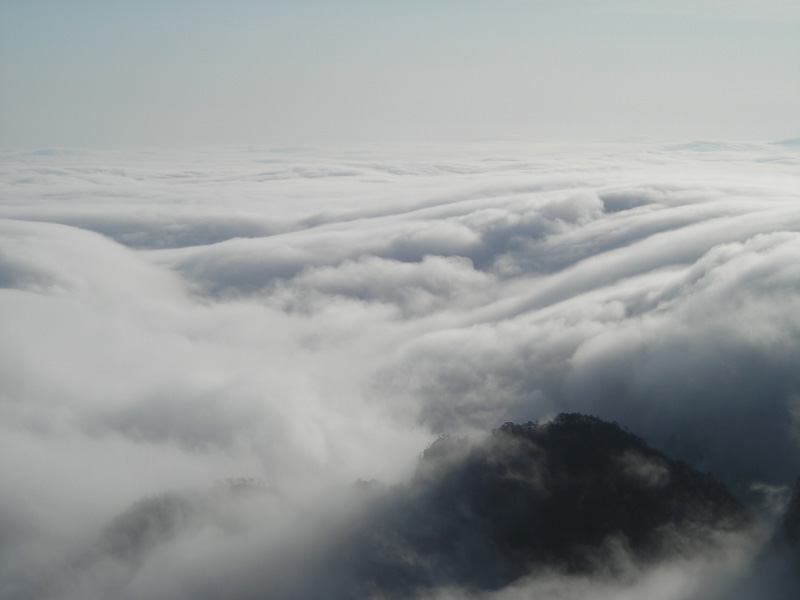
column 312, row 315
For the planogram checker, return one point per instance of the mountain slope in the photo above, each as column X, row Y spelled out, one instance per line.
column 577, row 495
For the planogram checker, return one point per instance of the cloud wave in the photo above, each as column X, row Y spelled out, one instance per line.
column 315, row 316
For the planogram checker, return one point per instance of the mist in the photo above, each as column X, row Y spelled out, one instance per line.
column 309, row 317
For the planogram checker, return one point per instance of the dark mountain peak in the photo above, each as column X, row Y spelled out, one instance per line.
column 574, row 495
column 576, row 430
column 555, row 495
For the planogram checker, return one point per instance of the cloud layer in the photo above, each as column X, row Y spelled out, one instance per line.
column 314, row 315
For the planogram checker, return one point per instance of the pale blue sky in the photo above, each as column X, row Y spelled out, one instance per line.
column 84, row 73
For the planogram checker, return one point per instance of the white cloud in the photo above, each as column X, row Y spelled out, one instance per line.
column 174, row 319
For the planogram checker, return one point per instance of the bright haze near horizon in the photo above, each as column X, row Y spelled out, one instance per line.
column 169, row 73
column 295, row 242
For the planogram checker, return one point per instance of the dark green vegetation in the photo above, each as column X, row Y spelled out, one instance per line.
column 149, row 522
column 576, row 495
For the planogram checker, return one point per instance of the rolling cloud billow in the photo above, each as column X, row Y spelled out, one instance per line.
column 285, row 372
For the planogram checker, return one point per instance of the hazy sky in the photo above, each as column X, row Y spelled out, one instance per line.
column 85, row 73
